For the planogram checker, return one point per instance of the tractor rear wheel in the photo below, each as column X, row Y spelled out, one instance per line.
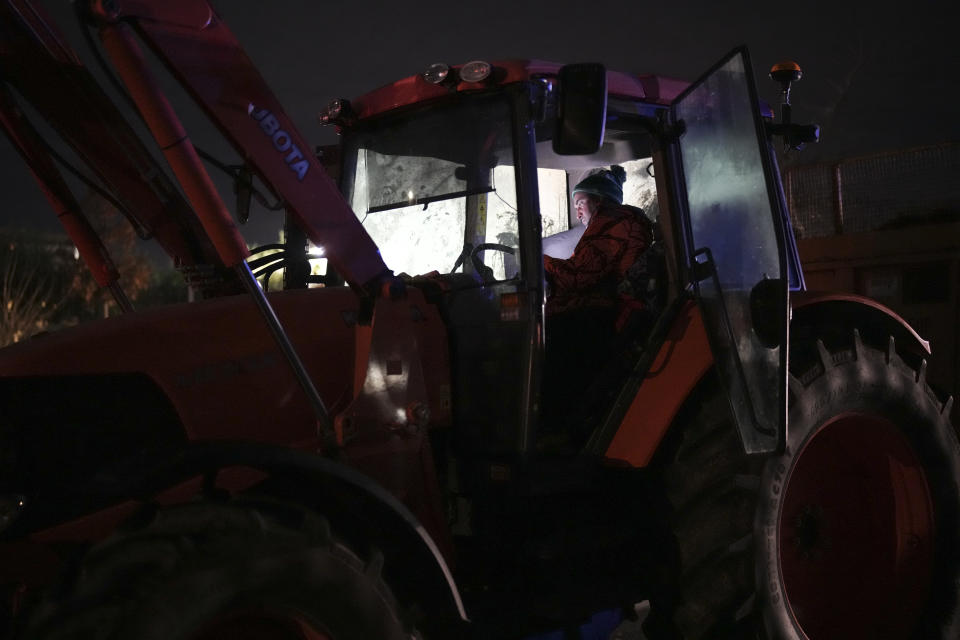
column 212, row 571
column 850, row 533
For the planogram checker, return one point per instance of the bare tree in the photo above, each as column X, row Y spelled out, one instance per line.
column 31, row 290
column 125, row 249
column 44, row 285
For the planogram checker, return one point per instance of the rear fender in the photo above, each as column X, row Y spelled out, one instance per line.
column 825, row 312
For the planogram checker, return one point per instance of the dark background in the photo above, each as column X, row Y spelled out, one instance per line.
column 877, row 75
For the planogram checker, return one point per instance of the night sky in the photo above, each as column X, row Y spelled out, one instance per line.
column 877, row 75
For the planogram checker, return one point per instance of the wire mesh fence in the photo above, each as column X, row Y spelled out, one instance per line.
column 880, row 191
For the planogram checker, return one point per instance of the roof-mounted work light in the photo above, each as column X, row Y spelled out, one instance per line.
column 475, row 71
column 436, row 73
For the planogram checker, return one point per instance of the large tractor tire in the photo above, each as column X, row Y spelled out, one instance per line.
column 218, row 571
column 852, row 533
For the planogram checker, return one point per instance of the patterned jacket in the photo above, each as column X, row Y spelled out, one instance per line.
column 604, row 262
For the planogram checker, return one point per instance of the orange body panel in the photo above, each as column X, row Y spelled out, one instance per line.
column 213, row 350
column 683, row 360
column 221, row 350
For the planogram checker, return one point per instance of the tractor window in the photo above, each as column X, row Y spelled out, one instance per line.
column 436, row 190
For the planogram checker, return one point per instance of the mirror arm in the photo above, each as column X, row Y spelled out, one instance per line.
column 796, row 136
column 670, row 132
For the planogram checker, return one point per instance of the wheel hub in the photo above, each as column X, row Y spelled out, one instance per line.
column 808, row 535
column 856, row 532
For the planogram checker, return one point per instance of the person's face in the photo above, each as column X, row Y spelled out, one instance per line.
column 586, row 206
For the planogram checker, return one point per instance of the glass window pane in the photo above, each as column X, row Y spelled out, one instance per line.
column 726, row 189
column 731, row 215
column 432, row 188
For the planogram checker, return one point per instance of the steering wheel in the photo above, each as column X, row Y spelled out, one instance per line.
column 486, row 272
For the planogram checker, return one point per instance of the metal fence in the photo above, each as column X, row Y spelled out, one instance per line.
column 879, row 191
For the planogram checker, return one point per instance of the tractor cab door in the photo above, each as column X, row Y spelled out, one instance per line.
column 732, row 220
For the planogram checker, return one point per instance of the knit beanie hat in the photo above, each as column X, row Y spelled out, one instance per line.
column 606, row 183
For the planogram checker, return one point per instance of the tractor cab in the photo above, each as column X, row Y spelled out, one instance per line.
column 462, row 177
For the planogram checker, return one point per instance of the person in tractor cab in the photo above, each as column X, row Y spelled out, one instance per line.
column 604, row 278
column 598, row 291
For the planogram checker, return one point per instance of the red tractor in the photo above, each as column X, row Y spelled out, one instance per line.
column 370, row 451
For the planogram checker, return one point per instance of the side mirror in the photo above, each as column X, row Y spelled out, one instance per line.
column 581, row 109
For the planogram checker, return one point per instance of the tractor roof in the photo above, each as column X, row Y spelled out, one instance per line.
column 416, row 89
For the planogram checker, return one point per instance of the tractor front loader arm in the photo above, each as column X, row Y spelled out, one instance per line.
column 29, row 144
column 37, row 66
column 202, row 53
column 206, row 58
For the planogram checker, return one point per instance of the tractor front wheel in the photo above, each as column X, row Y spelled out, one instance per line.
column 212, row 571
